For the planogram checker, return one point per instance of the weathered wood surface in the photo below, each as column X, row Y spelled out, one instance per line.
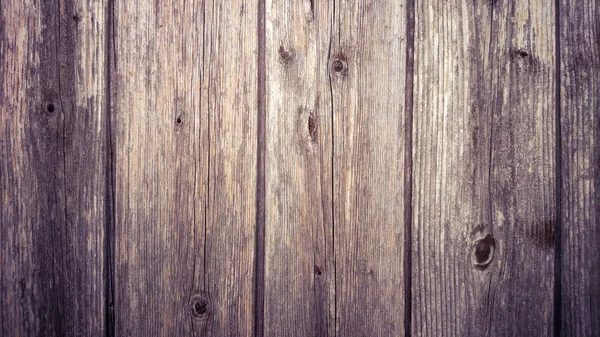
column 579, row 39
column 184, row 98
column 366, row 69
column 53, row 160
column 271, row 168
column 322, row 68
column 299, row 270
column 484, row 193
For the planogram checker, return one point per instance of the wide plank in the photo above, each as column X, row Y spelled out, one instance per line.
column 579, row 42
column 184, row 96
column 53, row 160
column 484, row 169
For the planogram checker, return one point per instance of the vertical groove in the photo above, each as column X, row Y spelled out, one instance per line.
column 408, row 165
column 109, row 199
column 259, row 286
column 558, row 185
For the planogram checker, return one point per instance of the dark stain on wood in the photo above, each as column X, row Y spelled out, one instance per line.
column 542, row 233
column 313, row 126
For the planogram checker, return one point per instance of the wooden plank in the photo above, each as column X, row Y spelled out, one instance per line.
column 484, row 200
column 299, row 271
column 53, row 159
column 328, row 91
column 580, row 160
column 230, row 102
column 184, row 95
column 367, row 77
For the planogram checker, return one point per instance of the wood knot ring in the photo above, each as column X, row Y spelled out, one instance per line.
column 483, row 251
column 200, row 305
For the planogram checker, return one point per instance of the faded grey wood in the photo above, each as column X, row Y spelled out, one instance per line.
column 367, row 75
column 484, row 192
column 299, row 270
column 53, row 160
column 184, row 96
column 580, row 157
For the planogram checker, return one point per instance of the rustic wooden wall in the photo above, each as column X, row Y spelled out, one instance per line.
column 299, row 168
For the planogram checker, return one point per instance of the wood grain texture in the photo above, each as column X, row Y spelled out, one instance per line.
column 53, row 161
column 580, row 158
column 300, row 276
column 484, row 139
column 367, row 76
column 185, row 101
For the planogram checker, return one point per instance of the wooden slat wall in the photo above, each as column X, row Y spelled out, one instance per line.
column 53, row 159
column 195, row 168
column 184, row 97
column 484, row 213
column 580, row 154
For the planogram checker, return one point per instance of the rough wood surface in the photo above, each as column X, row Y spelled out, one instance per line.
column 367, row 77
column 484, row 193
column 299, row 275
column 263, row 167
column 184, row 97
column 53, row 159
column 580, row 157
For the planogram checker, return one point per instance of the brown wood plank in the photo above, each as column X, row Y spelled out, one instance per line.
column 229, row 99
column 484, row 192
column 367, row 75
column 184, row 95
column 580, row 160
column 53, row 159
column 299, row 273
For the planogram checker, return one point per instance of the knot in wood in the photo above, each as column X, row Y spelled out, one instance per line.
column 339, row 67
column 285, row 56
column 50, row 107
column 200, row 305
column 483, row 251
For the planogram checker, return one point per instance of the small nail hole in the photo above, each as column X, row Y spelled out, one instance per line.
column 178, row 120
column 50, row 107
column 318, row 270
column 76, row 18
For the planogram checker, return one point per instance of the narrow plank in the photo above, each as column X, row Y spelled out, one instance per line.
column 367, row 67
column 484, row 195
column 299, row 270
column 184, row 96
column 579, row 42
column 229, row 99
column 161, row 156
column 53, row 160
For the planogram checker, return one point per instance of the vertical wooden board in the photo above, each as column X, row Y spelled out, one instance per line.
column 53, row 160
column 367, row 75
column 299, row 271
column 229, row 100
column 579, row 23
column 161, row 166
column 484, row 214
column 185, row 95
